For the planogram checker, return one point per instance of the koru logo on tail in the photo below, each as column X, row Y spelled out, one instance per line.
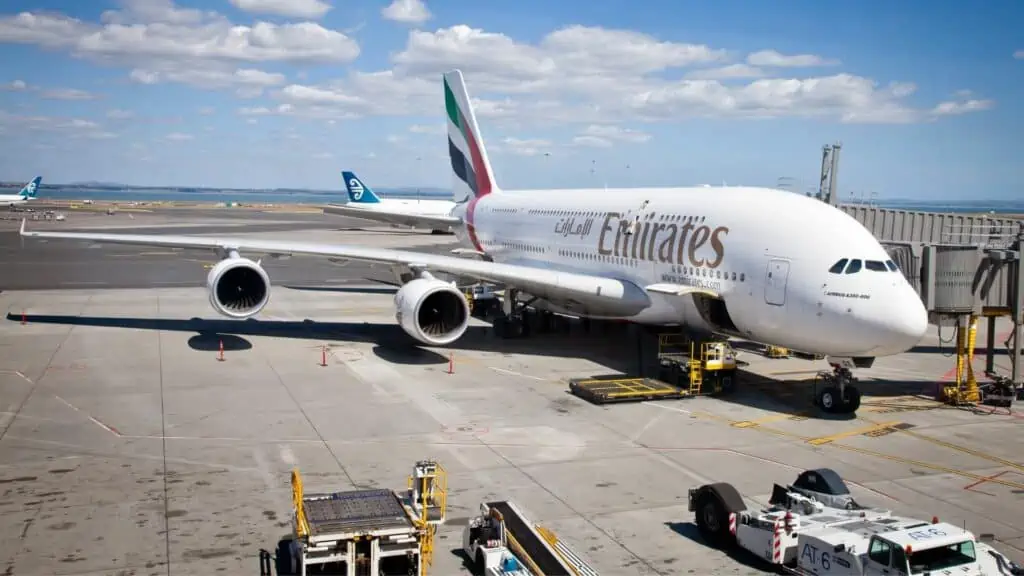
column 357, row 189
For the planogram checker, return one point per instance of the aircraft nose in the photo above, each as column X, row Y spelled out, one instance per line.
column 906, row 322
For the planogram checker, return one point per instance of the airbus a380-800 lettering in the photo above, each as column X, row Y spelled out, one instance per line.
column 765, row 265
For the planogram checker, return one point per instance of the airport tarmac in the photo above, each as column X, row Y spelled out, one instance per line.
column 126, row 445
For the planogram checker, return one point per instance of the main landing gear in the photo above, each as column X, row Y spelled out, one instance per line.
column 511, row 323
column 836, row 392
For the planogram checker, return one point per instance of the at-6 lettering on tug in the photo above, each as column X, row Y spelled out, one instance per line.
column 816, row 527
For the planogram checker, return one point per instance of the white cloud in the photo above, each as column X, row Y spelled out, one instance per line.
column 117, row 114
column 67, row 94
column 160, row 42
column 407, row 11
column 428, row 129
column 523, row 147
column 591, row 75
column 732, row 71
column 206, row 111
column 66, row 127
column 963, row 102
column 578, row 75
column 288, row 8
column 771, row 58
column 592, row 142
column 179, row 137
column 49, row 93
column 1019, row 54
column 604, row 136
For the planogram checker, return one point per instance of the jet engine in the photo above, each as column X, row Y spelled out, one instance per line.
column 432, row 311
column 239, row 287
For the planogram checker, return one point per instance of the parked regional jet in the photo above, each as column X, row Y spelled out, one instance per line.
column 761, row 264
column 363, row 203
column 28, row 192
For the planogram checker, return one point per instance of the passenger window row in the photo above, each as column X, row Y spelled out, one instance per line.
column 848, row 266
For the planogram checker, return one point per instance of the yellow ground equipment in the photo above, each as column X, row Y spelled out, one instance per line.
column 701, row 363
column 375, row 531
column 965, row 389
column 612, row 390
column 711, row 367
column 776, row 352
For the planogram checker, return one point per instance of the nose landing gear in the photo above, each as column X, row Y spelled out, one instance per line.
column 836, row 392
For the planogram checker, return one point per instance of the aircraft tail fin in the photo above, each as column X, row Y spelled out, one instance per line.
column 471, row 170
column 31, row 189
column 358, row 193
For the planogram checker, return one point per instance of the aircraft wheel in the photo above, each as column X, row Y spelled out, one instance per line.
column 852, row 400
column 828, row 399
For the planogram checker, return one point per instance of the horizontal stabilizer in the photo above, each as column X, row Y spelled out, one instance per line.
column 680, row 290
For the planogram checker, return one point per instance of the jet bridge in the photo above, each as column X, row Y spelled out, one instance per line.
column 965, row 267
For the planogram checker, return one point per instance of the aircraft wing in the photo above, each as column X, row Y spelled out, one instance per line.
column 610, row 295
column 415, row 220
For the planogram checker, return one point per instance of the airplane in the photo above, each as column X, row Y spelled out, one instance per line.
column 363, row 203
column 28, row 192
column 760, row 264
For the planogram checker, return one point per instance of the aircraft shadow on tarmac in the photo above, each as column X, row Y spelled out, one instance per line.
column 391, row 343
column 739, row 555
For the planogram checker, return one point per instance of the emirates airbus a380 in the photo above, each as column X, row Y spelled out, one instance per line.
column 760, row 264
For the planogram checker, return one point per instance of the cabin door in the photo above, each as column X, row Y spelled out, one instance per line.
column 776, row 276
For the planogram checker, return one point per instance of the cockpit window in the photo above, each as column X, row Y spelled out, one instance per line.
column 854, row 267
column 892, row 265
column 875, row 265
column 837, row 268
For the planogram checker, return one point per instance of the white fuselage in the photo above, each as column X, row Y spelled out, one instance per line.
column 767, row 253
column 12, row 199
column 410, row 207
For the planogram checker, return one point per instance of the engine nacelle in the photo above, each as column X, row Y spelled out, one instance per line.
column 432, row 311
column 239, row 287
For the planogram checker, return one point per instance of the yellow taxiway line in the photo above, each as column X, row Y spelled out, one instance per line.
column 855, row 432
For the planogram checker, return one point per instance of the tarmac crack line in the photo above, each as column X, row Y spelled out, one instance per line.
column 35, row 383
column 309, row 421
column 163, row 440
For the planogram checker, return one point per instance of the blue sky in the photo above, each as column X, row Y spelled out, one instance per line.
column 925, row 96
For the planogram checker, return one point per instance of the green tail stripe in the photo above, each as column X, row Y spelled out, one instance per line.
column 452, row 107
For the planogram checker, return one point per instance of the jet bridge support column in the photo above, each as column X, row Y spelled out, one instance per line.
column 1017, row 315
column 990, row 347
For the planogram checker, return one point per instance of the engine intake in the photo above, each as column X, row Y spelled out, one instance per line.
column 432, row 311
column 239, row 288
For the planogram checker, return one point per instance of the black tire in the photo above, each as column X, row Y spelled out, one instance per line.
column 480, row 565
column 828, row 399
column 712, row 520
column 500, row 326
column 284, row 562
column 852, row 400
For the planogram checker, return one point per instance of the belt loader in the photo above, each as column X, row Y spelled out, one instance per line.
column 816, row 527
